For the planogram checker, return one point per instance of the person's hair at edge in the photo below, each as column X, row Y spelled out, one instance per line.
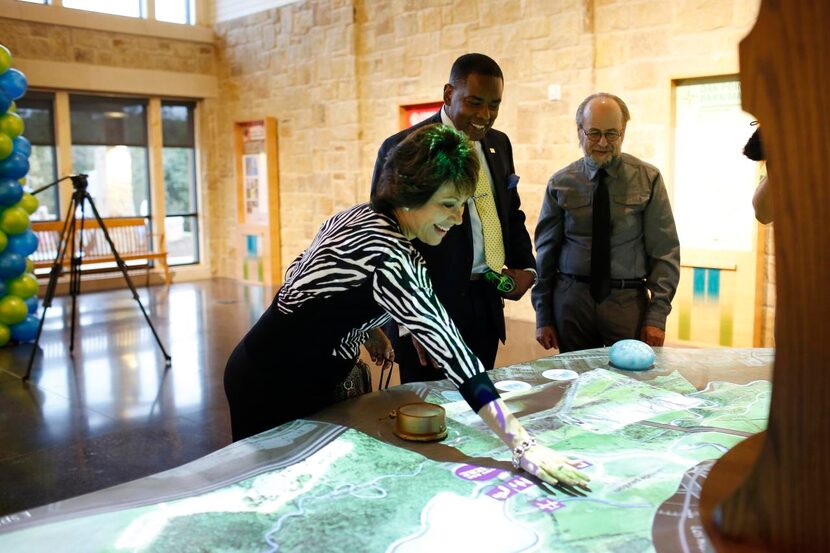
column 420, row 164
column 474, row 63
column 754, row 148
column 580, row 111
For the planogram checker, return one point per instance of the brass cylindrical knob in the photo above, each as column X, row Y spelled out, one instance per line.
column 421, row 422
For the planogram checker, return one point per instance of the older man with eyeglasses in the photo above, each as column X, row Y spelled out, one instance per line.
column 607, row 252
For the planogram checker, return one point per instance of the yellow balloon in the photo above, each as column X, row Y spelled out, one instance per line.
column 4, row 241
column 13, row 107
column 12, row 310
column 5, row 61
column 5, row 335
column 14, row 220
column 11, row 124
column 6, row 146
column 30, row 265
column 24, row 286
column 28, row 203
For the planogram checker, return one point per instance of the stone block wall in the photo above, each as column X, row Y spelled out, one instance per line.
column 632, row 48
column 334, row 73
column 297, row 64
column 43, row 41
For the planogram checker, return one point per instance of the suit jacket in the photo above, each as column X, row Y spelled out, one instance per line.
column 450, row 263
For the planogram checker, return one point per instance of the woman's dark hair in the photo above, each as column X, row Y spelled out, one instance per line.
column 754, row 148
column 421, row 163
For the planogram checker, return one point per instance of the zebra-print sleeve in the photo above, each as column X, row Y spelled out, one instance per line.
column 294, row 265
column 403, row 288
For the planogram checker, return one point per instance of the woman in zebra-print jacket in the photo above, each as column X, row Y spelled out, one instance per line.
column 360, row 271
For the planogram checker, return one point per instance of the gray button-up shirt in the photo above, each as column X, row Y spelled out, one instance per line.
column 643, row 235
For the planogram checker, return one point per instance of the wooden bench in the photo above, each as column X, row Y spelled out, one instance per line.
column 131, row 236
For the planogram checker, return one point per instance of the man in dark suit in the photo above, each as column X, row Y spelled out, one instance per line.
column 493, row 234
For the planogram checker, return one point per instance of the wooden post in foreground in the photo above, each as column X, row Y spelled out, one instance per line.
column 781, row 497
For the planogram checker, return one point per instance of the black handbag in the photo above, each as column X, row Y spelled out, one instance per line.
column 357, row 383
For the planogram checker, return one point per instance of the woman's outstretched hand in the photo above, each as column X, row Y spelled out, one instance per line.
column 538, row 460
column 552, row 467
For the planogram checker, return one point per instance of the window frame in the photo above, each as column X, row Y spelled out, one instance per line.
column 145, row 103
column 61, row 114
column 194, row 214
column 47, row 96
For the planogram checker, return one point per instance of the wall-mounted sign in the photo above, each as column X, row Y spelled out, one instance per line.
column 413, row 114
column 258, row 207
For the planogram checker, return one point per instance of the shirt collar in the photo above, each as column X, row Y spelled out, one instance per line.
column 445, row 119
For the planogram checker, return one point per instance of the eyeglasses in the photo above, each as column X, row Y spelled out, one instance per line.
column 594, row 135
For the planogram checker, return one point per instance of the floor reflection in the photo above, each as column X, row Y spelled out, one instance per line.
column 110, row 412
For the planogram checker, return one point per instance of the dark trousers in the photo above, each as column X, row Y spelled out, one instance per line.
column 581, row 323
column 472, row 313
column 264, row 395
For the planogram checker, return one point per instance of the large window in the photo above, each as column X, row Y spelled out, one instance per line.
column 177, row 11
column 172, row 11
column 36, row 109
column 109, row 143
column 129, row 8
column 179, row 155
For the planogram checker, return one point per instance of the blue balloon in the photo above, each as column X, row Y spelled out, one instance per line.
column 3, row 288
column 14, row 167
column 5, row 102
column 14, row 83
column 23, row 244
column 10, row 192
column 12, row 264
column 32, row 302
column 25, row 331
column 22, row 146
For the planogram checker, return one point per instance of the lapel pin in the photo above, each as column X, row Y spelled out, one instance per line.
column 492, row 150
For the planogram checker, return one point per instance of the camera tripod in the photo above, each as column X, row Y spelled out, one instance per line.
column 69, row 233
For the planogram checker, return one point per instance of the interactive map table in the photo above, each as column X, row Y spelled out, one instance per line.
column 345, row 482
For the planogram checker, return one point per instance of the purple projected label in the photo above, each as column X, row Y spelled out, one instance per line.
column 502, row 493
column 582, row 464
column 519, row 483
column 548, row 505
column 472, row 472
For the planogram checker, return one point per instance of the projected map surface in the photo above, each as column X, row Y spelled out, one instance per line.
column 647, row 444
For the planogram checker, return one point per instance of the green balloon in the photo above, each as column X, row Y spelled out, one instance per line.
column 4, row 241
column 29, row 203
column 12, row 310
column 5, row 334
column 6, row 146
column 24, row 286
column 14, row 220
column 5, row 63
column 11, row 124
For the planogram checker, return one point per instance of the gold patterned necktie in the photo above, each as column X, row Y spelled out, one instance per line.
column 490, row 224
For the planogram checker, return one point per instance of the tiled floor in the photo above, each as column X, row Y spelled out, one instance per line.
column 110, row 413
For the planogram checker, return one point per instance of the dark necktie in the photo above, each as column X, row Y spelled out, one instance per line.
column 601, row 241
